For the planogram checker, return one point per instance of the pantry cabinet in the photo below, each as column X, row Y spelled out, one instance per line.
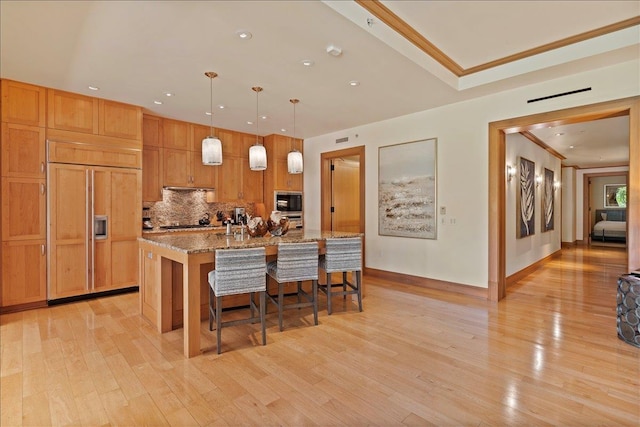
column 23, row 103
column 24, row 272
column 23, row 151
column 151, row 159
column 236, row 180
column 277, row 176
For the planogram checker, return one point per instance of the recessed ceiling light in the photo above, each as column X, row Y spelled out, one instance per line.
column 208, row 113
column 283, row 130
column 249, row 122
column 157, row 102
column 244, row 34
column 94, row 88
column 168, row 94
column 263, row 117
column 221, row 107
column 571, row 146
column 354, row 83
column 334, row 50
column 307, row 62
column 559, row 134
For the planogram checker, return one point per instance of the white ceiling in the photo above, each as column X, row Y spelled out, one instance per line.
column 135, row 51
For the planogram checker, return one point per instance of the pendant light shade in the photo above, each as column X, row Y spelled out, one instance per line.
column 294, row 158
column 211, row 146
column 257, row 153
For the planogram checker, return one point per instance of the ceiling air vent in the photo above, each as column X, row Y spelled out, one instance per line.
column 586, row 89
column 339, row 140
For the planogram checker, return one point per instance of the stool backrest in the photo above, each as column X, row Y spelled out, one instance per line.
column 343, row 254
column 239, row 271
column 297, row 261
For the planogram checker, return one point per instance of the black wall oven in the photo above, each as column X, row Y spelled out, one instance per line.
column 290, row 204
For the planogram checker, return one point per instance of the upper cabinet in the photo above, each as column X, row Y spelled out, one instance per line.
column 72, row 112
column 23, row 103
column 277, row 176
column 120, row 120
column 151, row 131
column 23, row 151
column 176, row 134
column 80, row 113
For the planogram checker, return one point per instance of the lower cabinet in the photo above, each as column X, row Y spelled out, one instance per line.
column 24, row 268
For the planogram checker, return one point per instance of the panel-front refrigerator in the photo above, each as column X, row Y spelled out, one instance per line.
column 94, row 223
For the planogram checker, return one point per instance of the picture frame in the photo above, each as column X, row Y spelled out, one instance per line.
column 407, row 184
column 612, row 198
column 526, row 198
column 548, row 201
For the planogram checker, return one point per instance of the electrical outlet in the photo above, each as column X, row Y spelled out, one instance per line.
column 443, row 210
column 452, row 221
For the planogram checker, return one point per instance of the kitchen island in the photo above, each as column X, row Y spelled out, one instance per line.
column 195, row 252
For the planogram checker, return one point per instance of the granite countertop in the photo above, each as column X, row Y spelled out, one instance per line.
column 157, row 230
column 208, row 240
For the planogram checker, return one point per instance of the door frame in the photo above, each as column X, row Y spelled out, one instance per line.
column 325, row 184
column 496, row 286
column 586, row 202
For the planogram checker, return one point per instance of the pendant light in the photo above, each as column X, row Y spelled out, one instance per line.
column 257, row 153
column 211, row 146
column 294, row 158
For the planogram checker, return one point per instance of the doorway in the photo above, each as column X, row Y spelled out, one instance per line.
column 593, row 196
column 342, row 190
column 497, row 178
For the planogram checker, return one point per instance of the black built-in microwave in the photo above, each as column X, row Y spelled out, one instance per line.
column 288, row 202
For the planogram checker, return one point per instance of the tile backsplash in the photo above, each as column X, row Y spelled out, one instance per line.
column 188, row 206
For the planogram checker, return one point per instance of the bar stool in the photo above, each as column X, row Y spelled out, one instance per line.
column 342, row 255
column 237, row 271
column 296, row 262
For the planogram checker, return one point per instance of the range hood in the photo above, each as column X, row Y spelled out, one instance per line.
column 189, row 188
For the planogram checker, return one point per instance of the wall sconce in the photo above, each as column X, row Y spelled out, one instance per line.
column 556, row 185
column 511, row 172
column 538, row 180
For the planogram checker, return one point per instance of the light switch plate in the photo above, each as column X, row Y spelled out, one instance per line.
column 443, row 210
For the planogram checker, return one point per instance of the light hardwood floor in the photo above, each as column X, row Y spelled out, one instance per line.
column 547, row 354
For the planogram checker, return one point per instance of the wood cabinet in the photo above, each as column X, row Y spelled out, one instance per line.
column 277, row 176
column 84, row 114
column 23, row 103
column 235, row 179
column 24, row 278
column 23, row 189
column 80, row 262
column 176, row 134
column 151, row 131
column 184, row 168
column 151, row 174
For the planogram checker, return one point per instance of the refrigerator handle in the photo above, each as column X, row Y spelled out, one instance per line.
column 93, row 230
column 88, row 229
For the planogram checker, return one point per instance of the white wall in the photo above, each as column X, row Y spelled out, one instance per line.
column 460, row 253
column 522, row 252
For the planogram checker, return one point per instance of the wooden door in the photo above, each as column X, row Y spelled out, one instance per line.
column 203, row 175
column 120, row 120
column 345, row 186
column 73, row 112
column 23, row 151
column 176, row 134
column 151, row 174
column 230, row 178
column 23, row 209
column 23, row 103
column 24, row 278
column 69, row 230
column 151, row 131
column 176, row 167
column 116, row 195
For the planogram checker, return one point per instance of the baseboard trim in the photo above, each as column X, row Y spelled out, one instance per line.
column 92, row 295
column 425, row 282
column 22, row 307
column 519, row 275
column 569, row 245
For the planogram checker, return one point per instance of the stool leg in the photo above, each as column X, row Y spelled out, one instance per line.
column 251, row 311
column 211, row 297
column 280, row 298
column 359, row 285
column 299, row 290
column 218, row 321
column 328, row 293
column 344, row 285
column 262, row 309
column 315, row 301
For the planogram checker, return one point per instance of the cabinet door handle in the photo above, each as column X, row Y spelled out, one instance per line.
column 41, row 167
column 42, row 249
column 42, row 188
